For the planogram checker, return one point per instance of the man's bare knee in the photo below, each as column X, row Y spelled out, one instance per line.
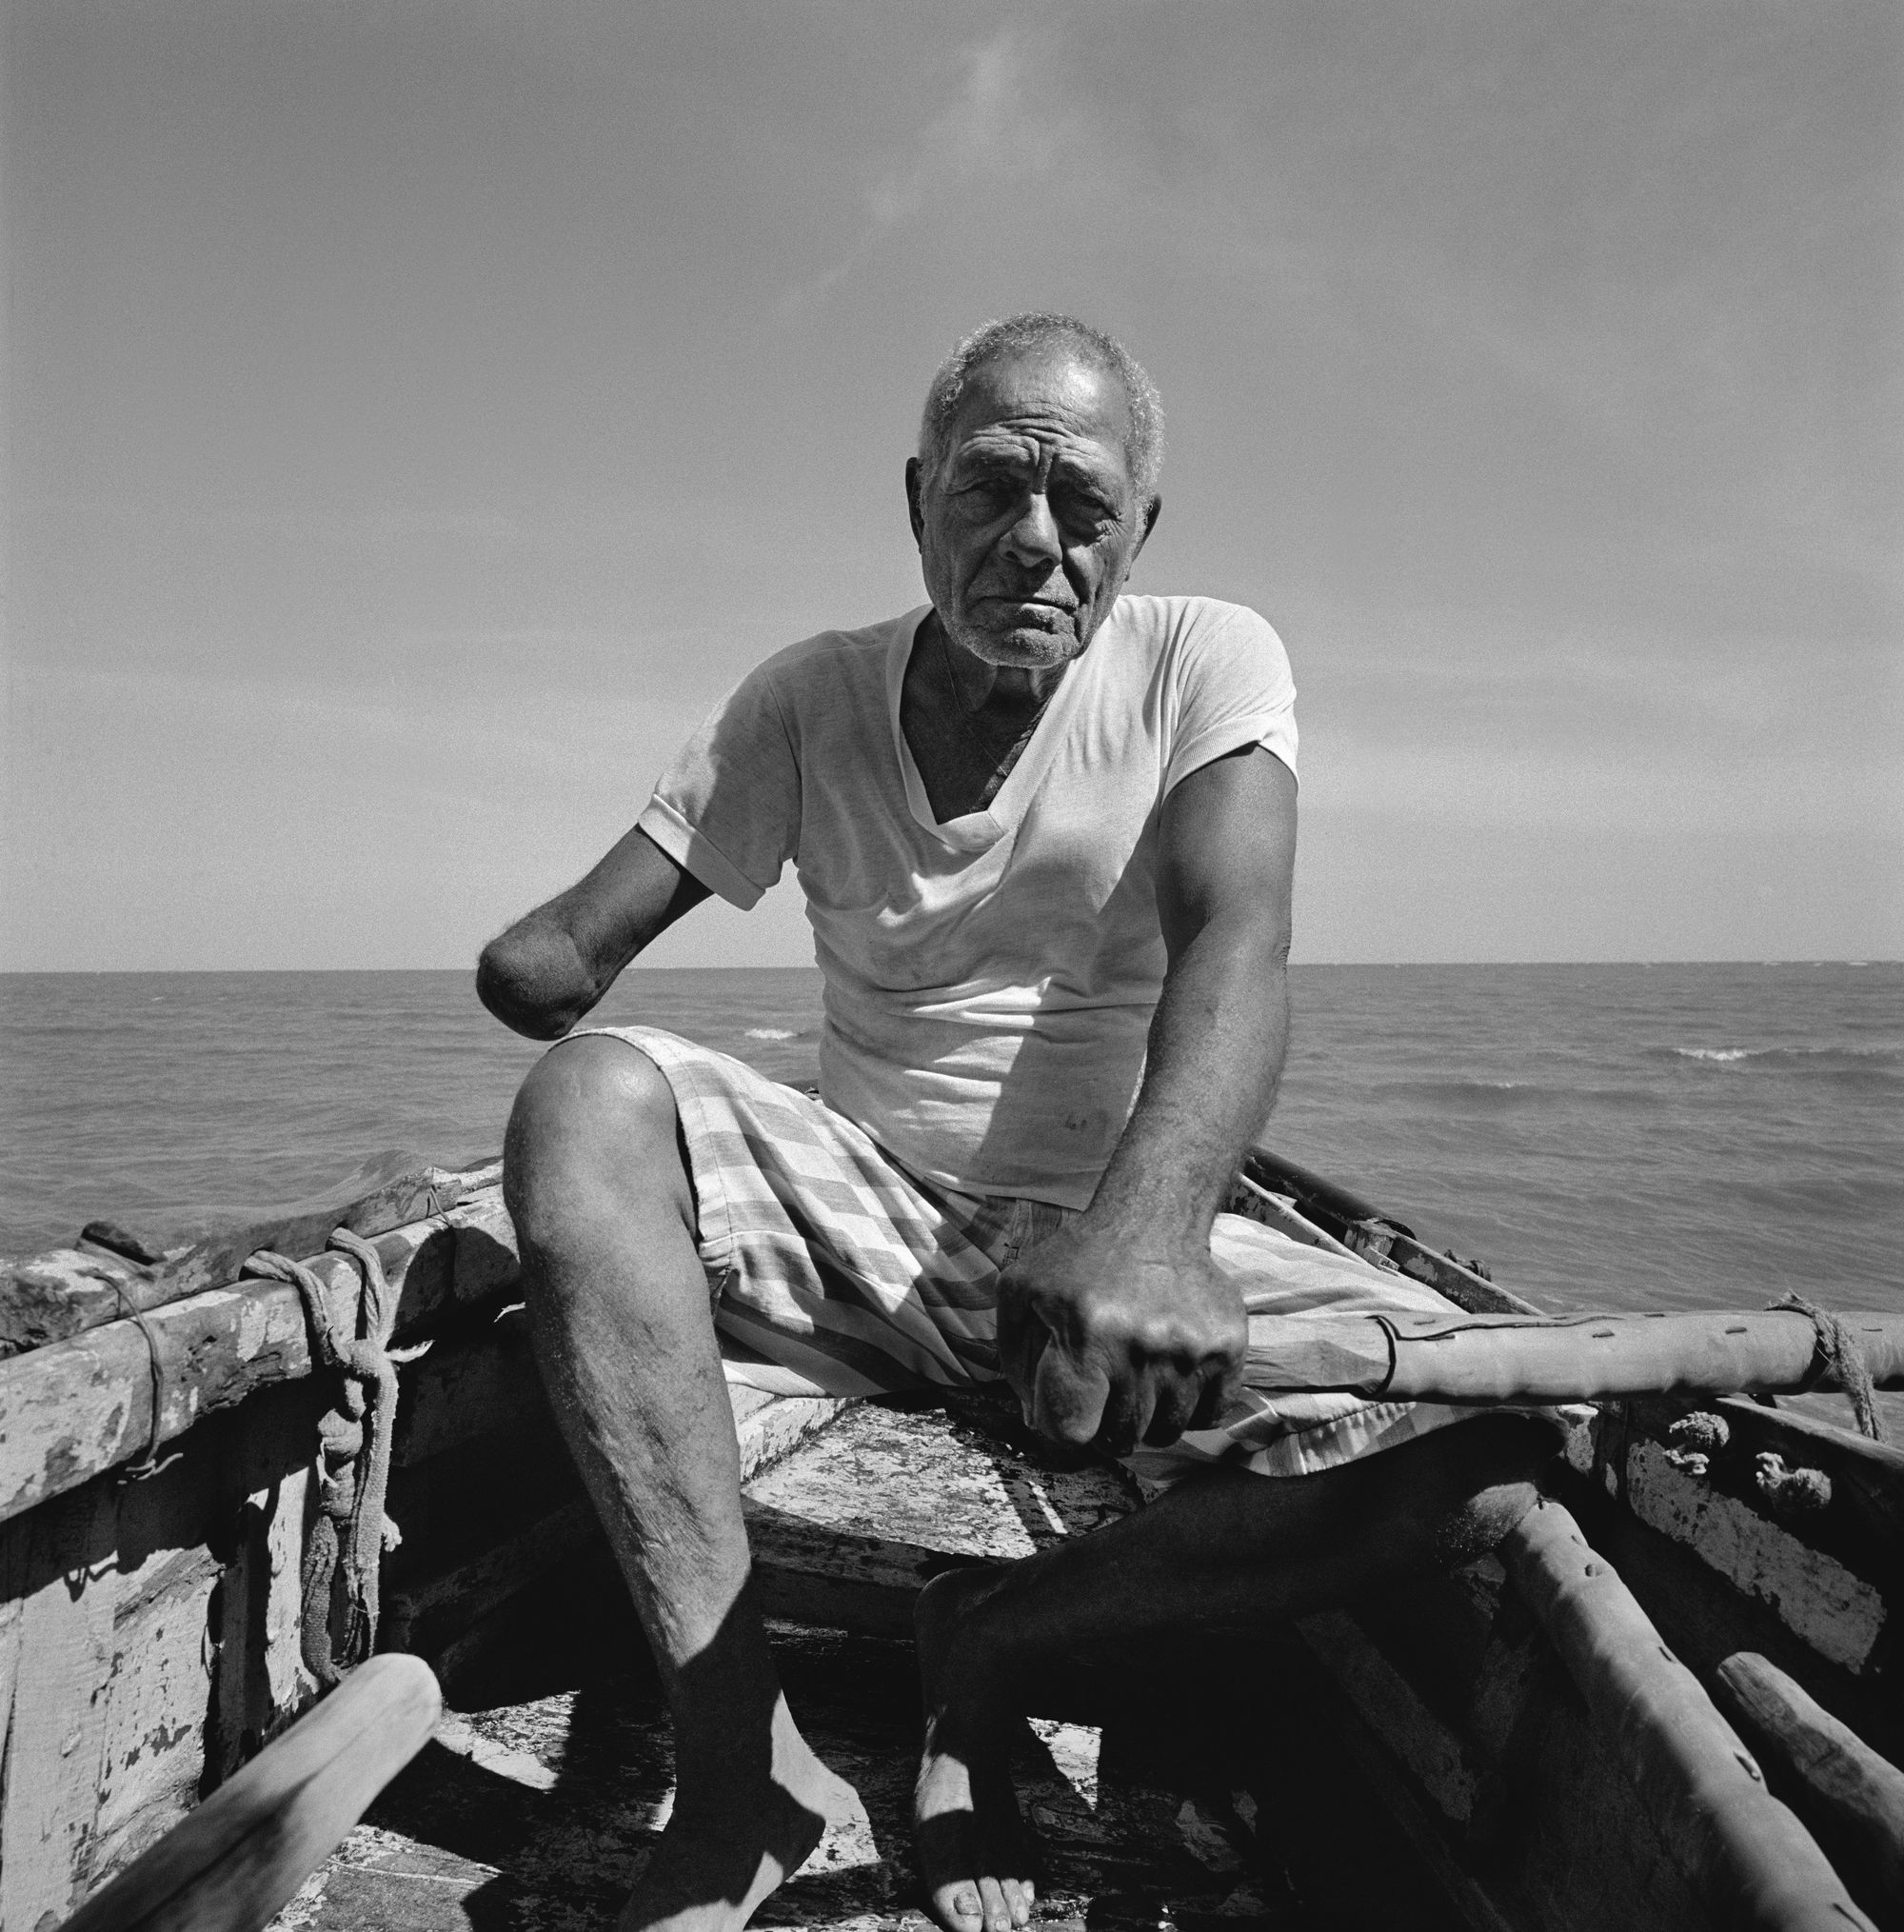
column 594, row 1131
column 1494, row 1468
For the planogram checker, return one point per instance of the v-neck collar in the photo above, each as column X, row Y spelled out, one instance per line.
column 975, row 831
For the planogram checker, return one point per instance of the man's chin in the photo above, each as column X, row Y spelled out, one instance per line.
column 1019, row 647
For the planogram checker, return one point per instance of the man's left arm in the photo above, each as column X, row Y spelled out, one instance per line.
column 1121, row 1328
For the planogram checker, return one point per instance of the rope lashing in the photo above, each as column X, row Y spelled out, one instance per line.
column 1842, row 1355
column 149, row 1464
column 354, row 1439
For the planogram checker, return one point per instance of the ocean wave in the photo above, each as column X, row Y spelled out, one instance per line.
column 1828, row 1059
column 771, row 1033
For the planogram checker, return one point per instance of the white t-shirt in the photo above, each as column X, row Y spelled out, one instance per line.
column 990, row 981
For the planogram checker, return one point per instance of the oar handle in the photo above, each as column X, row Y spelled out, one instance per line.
column 234, row 1861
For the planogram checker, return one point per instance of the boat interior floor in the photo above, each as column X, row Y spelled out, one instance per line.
column 537, row 1813
column 1213, row 1788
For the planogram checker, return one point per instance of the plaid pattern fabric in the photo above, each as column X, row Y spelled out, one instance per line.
column 835, row 1272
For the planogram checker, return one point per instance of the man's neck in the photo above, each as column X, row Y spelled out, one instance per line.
column 966, row 720
column 999, row 695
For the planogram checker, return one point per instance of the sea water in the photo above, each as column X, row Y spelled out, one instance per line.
column 1601, row 1136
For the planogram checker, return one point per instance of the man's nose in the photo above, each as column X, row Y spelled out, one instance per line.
column 1034, row 538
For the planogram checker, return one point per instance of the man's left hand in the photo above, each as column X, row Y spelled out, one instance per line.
column 1112, row 1341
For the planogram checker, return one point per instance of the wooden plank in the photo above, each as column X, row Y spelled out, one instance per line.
column 1849, row 1795
column 261, row 1680
column 153, row 1758
column 1839, row 1613
column 769, row 1427
column 262, row 1683
column 1431, row 1750
column 71, row 1410
column 1519, row 1801
column 245, row 1851
column 51, row 1296
column 57, row 1724
column 429, row 1611
column 59, row 1294
column 846, row 1530
column 819, row 1574
column 428, row 1194
column 83, row 1406
column 1481, row 1900
column 1258, row 1203
column 1745, row 1855
column 1447, row 1276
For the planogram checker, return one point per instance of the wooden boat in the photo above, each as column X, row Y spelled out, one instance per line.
column 1512, row 1746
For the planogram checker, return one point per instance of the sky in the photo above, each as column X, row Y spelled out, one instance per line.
column 418, row 414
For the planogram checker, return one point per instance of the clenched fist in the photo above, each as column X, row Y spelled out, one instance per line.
column 1113, row 1343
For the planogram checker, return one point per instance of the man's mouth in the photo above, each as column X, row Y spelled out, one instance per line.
column 1026, row 603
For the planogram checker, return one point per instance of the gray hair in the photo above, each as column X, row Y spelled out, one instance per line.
column 1016, row 334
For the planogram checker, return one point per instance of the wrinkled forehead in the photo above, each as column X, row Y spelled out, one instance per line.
column 1052, row 394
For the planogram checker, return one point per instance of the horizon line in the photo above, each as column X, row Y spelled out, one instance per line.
column 188, row 972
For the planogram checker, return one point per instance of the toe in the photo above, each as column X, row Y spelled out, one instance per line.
column 1020, row 1894
column 958, row 1907
column 998, row 1913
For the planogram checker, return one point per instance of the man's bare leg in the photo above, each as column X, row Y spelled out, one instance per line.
column 625, row 1337
column 1222, row 1552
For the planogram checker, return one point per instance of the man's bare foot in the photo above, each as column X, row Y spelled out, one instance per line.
column 726, row 1848
column 974, row 1852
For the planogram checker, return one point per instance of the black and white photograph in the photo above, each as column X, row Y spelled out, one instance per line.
column 952, row 965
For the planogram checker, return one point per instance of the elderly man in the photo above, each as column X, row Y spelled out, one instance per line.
column 1046, row 831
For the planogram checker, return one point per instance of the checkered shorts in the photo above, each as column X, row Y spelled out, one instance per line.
column 835, row 1271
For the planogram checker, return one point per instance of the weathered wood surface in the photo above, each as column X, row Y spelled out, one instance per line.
column 63, row 1587
column 1850, row 1796
column 127, row 1657
column 245, row 1850
column 1831, row 1575
column 848, row 1531
column 1744, row 1854
column 53, row 1296
column 1365, row 1230
column 150, row 1632
column 73, row 1408
column 1511, row 1358
column 261, row 1683
column 1282, row 1213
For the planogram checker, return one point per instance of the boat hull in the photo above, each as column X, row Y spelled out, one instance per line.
column 154, row 1612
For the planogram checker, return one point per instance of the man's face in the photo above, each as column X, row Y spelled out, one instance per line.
column 1028, row 526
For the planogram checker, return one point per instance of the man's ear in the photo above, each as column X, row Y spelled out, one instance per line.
column 915, row 508
column 1152, row 511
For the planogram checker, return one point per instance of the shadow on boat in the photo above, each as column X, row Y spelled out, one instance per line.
column 1199, row 1791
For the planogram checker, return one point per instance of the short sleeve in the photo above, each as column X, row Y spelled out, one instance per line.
column 1234, row 688
column 727, row 809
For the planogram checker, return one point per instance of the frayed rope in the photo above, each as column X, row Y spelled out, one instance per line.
column 355, row 1439
column 1842, row 1356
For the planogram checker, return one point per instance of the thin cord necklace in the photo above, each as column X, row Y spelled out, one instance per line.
column 993, row 752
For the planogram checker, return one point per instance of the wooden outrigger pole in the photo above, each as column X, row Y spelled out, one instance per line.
column 1485, row 1360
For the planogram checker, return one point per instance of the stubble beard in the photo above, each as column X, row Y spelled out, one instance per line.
column 1023, row 647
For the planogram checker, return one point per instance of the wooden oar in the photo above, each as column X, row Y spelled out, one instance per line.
column 1487, row 1359
column 1745, row 1855
column 1854, row 1796
column 235, row 1860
